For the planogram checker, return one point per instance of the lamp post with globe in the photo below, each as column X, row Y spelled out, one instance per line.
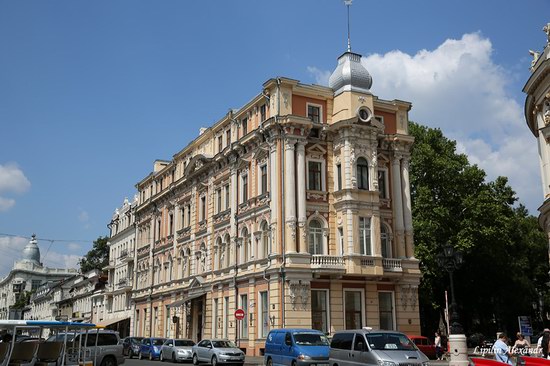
column 450, row 260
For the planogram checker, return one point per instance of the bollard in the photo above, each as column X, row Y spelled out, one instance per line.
column 458, row 350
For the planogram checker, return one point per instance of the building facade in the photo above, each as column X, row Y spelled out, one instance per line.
column 537, row 115
column 26, row 277
column 295, row 208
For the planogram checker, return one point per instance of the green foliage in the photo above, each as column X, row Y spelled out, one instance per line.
column 97, row 257
column 22, row 300
column 505, row 253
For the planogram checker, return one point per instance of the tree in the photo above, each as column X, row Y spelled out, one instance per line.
column 97, row 257
column 452, row 202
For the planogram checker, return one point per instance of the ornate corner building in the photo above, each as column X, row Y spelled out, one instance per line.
column 537, row 115
column 295, row 208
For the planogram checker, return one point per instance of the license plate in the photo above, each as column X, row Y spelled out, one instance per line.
column 322, row 364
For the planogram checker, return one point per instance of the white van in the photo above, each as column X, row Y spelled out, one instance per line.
column 375, row 348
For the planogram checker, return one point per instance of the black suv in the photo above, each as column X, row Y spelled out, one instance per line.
column 130, row 346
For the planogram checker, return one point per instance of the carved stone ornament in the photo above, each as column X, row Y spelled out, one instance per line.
column 301, row 290
column 546, row 29
column 285, row 99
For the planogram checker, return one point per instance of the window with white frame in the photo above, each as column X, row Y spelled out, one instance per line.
column 218, row 200
column 364, row 236
column 263, row 179
column 265, row 243
column 386, row 310
column 362, row 174
column 314, row 175
column 314, row 112
column 315, row 237
column 227, row 196
column 386, row 243
column 264, row 314
column 244, row 188
column 383, row 183
column 353, row 309
column 245, row 239
column 244, row 323
column 319, row 310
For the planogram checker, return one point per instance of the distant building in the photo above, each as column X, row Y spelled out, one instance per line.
column 537, row 115
column 26, row 277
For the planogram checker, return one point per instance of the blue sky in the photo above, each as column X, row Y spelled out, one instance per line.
column 92, row 92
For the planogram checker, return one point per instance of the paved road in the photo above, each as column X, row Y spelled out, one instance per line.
column 250, row 361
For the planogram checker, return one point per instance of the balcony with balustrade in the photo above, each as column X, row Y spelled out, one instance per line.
column 327, row 264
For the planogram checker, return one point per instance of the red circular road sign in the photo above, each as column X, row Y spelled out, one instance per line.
column 239, row 314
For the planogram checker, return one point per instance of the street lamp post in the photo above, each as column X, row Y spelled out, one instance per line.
column 450, row 260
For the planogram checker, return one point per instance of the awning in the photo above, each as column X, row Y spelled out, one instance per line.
column 107, row 322
column 179, row 303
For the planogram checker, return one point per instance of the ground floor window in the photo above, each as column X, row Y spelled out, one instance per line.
column 385, row 306
column 319, row 310
column 264, row 314
column 353, row 309
column 244, row 322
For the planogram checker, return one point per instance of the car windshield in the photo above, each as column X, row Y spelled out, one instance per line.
column 183, row 343
column 390, row 342
column 158, row 341
column 310, row 339
column 136, row 340
column 223, row 344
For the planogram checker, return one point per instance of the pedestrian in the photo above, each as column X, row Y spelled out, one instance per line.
column 501, row 349
column 544, row 344
column 521, row 346
column 437, row 342
column 539, row 341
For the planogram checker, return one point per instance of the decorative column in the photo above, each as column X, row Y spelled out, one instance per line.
column 274, row 194
column 301, row 193
column 376, row 242
column 290, row 198
column 407, row 208
column 397, row 205
column 346, row 164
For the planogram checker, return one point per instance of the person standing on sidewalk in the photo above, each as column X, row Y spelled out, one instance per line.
column 437, row 342
column 501, row 349
column 521, row 346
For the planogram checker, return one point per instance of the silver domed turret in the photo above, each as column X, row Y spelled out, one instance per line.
column 31, row 252
column 350, row 75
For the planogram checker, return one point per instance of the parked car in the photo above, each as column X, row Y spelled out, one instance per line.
column 101, row 346
column 425, row 345
column 374, row 347
column 177, row 350
column 131, row 346
column 150, row 348
column 296, row 347
column 215, row 351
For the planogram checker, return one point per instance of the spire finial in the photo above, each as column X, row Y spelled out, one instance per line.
column 348, row 3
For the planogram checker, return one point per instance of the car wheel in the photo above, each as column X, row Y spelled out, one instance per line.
column 270, row 362
column 108, row 361
column 173, row 357
column 293, row 363
column 195, row 359
column 160, row 357
column 214, row 361
column 150, row 356
column 140, row 356
column 131, row 354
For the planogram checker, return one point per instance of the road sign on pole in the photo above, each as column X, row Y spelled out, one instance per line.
column 239, row 314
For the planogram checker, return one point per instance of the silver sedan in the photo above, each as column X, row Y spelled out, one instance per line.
column 177, row 350
column 217, row 351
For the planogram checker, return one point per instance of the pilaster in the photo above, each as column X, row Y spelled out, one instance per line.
column 290, row 197
column 301, row 194
column 397, row 205
column 407, row 208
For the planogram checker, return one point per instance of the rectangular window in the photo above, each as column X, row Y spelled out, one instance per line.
column 263, row 182
column 244, row 322
column 264, row 314
column 158, row 229
column 319, row 310
column 220, row 143
column 364, row 236
column 385, row 304
column 188, row 215
column 215, row 319
column 167, row 323
column 203, row 208
column 382, row 183
column 155, row 317
column 171, row 224
column 226, row 316
column 227, row 197
column 219, row 200
column 244, row 125
column 341, row 240
column 262, row 113
column 314, row 113
column 244, row 188
column 353, row 313
column 228, row 137
column 314, row 174
column 339, row 177
column 182, row 216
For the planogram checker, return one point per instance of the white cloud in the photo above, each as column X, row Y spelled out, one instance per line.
column 321, row 77
column 58, row 260
column 12, row 180
column 11, row 248
column 83, row 216
column 459, row 88
column 74, row 247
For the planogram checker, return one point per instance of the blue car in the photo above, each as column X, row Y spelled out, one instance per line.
column 296, row 347
column 150, row 348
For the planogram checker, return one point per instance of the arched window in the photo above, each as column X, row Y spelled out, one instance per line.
column 386, row 242
column 187, row 263
column 218, row 254
column 244, row 252
column 265, row 243
column 170, row 268
column 181, row 264
column 315, row 237
column 362, row 174
column 227, row 256
column 157, row 269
